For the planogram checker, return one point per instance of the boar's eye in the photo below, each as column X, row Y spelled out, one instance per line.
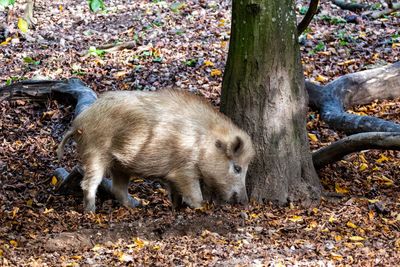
column 237, row 168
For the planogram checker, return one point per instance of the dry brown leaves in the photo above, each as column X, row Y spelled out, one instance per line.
column 185, row 46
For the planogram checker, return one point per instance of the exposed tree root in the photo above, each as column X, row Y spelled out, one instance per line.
column 354, row 89
column 354, row 143
column 70, row 183
column 312, row 9
column 70, row 90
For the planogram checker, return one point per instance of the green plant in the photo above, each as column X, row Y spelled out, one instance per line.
column 5, row 3
column 96, row 5
column 93, row 51
column 30, row 61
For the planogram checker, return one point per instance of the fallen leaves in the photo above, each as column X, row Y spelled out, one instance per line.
column 165, row 37
column 23, row 25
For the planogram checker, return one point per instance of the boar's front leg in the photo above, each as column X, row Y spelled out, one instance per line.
column 188, row 186
column 120, row 183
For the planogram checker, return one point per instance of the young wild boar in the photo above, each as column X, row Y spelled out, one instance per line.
column 166, row 134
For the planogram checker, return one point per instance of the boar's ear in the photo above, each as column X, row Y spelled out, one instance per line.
column 236, row 146
column 220, row 145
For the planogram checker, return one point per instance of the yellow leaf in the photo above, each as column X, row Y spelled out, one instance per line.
column 386, row 180
column 394, row 45
column 356, row 238
column 29, row 202
column 397, row 243
column 351, row 225
column 1, row 253
column 311, row 226
column 347, row 62
column 14, row 212
column 336, row 256
column 373, row 200
column 140, row 243
column 371, row 215
column 340, row 190
column 156, row 247
column 296, row 218
column 382, row 159
column 363, row 166
column 362, row 158
column 313, row 137
column 47, row 211
column 23, row 25
column 97, row 247
column 76, row 257
column 216, row 72
column 60, row 7
column 208, row 63
column 6, row 42
column 253, row 216
column 321, row 78
column 338, row 238
column 376, row 168
column 332, row 219
column 54, row 180
column 14, row 243
column 315, row 210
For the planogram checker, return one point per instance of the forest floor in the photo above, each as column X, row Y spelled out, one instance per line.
column 184, row 45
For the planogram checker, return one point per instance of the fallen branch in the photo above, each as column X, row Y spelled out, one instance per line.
column 109, row 48
column 379, row 13
column 350, row 5
column 355, row 89
column 355, row 143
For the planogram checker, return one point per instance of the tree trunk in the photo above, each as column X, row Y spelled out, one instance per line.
column 263, row 92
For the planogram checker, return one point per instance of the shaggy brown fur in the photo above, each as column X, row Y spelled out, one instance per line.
column 169, row 134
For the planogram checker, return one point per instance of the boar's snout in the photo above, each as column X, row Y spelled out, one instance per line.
column 240, row 198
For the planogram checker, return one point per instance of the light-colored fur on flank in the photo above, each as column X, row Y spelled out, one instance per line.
column 166, row 134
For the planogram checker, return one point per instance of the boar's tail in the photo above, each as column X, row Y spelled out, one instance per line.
column 60, row 149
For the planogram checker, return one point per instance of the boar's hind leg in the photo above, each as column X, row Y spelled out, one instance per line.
column 94, row 171
column 120, row 183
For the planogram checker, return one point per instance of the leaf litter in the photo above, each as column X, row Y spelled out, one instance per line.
column 183, row 44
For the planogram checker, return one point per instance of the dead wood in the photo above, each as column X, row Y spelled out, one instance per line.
column 347, row 5
column 379, row 13
column 355, row 89
column 69, row 90
column 355, row 143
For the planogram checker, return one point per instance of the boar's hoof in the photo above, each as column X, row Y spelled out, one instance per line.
column 132, row 203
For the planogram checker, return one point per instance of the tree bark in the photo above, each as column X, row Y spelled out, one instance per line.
column 263, row 92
